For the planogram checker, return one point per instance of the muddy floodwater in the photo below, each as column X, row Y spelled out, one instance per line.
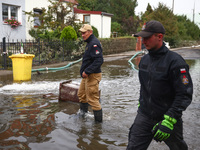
column 30, row 120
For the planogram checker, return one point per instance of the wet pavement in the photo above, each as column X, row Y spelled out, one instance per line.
column 28, row 120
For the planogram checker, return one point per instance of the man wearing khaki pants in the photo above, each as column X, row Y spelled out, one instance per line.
column 90, row 72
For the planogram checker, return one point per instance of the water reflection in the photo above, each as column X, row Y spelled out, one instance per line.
column 30, row 120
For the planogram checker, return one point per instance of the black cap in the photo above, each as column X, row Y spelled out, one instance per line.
column 149, row 28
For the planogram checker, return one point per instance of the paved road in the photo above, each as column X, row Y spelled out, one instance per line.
column 189, row 53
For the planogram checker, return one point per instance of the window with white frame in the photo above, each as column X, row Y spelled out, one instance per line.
column 10, row 11
column 86, row 19
column 37, row 21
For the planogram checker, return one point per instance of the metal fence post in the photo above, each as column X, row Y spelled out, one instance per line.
column 63, row 49
column 39, row 49
column 4, row 53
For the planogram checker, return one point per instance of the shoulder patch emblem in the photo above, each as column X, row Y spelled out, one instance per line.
column 97, row 52
column 183, row 70
column 185, row 80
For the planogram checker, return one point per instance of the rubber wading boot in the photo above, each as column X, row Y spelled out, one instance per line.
column 83, row 108
column 98, row 115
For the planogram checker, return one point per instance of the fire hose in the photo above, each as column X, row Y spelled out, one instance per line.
column 130, row 60
column 58, row 68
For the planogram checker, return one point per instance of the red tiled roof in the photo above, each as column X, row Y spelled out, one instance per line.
column 80, row 11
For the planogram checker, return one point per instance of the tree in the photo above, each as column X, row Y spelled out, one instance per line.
column 87, row 4
column 56, row 17
column 130, row 24
column 124, row 14
column 122, row 9
column 102, row 5
column 192, row 30
column 94, row 5
column 182, row 27
column 146, row 15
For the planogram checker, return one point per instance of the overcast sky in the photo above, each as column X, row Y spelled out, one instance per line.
column 181, row 7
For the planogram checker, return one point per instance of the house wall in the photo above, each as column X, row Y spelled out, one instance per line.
column 30, row 5
column 101, row 22
column 6, row 31
column 95, row 20
column 103, row 25
column 79, row 17
column 106, row 31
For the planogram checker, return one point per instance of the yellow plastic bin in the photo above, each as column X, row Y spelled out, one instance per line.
column 22, row 66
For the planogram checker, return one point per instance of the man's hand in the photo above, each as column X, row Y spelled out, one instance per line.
column 84, row 75
column 163, row 129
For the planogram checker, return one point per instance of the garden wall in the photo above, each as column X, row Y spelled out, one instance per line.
column 118, row 45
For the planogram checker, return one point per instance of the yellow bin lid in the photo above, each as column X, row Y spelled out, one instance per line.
column 22, row 56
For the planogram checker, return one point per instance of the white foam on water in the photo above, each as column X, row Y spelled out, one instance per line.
column 25, row 88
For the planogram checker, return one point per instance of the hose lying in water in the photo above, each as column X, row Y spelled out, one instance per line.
column 130, row 60
column 59, row 68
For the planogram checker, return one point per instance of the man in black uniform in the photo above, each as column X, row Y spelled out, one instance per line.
column 90, row 72
column 166, row 91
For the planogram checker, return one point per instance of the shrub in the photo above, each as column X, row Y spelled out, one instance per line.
column 45, row 34
column 95, row 32
column 115, row 27
column 68, row 33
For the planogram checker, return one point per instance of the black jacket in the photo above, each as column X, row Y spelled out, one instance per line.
column 93, row 56
column 166, row 85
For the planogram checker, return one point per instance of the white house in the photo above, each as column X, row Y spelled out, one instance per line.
column 34, row 6
column 11, row 8
column 98, row 19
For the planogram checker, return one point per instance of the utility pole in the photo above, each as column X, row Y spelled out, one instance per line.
column 194, row 12
column 173, row 6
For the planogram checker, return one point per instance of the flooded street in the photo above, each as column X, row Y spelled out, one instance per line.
column 30, row 120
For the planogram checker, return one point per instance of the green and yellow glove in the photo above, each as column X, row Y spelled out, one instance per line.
column 138, row 104
column 163, row 129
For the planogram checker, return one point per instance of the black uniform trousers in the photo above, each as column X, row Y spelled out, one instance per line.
column 140, row 135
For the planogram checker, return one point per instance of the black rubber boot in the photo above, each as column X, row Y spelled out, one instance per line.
column 98, row 115
column 83, row 108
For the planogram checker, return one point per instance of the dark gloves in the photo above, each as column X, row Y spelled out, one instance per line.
column 163, row 129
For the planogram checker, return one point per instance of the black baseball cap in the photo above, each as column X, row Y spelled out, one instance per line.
column 151, row 27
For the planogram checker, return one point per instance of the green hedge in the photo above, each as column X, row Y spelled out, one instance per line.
column 118, row 45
